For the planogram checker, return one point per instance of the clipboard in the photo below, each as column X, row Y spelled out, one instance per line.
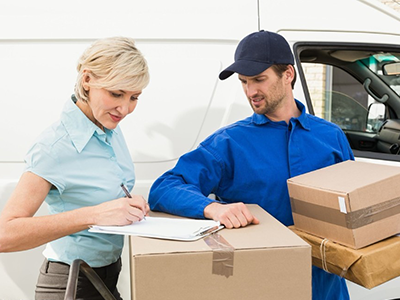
column 164, row 228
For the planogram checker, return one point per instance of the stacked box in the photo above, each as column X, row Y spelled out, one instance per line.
column 352, row 203
column 264, row 261
column 368, row 267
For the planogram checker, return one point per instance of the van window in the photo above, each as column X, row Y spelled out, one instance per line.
column 337, row 97
column 357, row 87
column 377, row 63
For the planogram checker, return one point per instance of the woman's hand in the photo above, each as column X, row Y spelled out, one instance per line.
column 122, row 211
column 21, row 230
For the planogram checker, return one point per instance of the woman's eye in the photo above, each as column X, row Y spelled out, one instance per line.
column 134, row 98
column 116, row 95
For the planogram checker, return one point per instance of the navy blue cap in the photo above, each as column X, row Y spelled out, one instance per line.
column 257, row 52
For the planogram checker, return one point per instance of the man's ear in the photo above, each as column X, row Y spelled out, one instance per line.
column 289, row 73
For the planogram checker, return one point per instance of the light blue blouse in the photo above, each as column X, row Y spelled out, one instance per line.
column 86, row 166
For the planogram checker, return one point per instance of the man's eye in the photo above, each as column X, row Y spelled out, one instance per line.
column 134, row 98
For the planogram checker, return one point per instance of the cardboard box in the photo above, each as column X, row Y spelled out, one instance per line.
column 352, row 203
column 368, row 267
column 265, row 261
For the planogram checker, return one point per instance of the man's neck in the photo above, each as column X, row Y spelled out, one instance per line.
column 285, row 112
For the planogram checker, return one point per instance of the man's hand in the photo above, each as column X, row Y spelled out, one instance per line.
column 233, row 215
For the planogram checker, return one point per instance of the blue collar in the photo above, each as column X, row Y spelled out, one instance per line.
column 302, row 119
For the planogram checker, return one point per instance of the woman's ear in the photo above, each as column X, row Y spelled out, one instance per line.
column 85, row 80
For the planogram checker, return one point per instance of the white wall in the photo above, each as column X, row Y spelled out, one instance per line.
column 186, row 44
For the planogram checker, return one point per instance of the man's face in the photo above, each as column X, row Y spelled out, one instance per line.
column 265, row 91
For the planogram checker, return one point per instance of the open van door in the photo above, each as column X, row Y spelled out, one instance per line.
column 346, row 83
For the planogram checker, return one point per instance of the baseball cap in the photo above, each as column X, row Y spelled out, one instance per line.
column 257, row 52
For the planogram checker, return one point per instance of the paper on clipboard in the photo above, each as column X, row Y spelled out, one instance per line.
column 164, row 228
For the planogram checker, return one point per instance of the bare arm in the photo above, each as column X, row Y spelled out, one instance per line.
column 233, row 215
column 20, row 230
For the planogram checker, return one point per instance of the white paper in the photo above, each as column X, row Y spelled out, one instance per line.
column 164, row 228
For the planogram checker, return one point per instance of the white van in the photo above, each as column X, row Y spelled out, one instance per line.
column 346, row 53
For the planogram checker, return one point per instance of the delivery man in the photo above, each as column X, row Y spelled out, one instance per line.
column 249, row 161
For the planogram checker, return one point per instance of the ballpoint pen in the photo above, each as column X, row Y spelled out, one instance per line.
column 128, row 195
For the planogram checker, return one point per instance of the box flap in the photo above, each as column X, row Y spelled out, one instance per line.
column 346, row 176
column 270, row 233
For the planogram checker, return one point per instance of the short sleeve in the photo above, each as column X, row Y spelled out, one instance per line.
column 42, row 161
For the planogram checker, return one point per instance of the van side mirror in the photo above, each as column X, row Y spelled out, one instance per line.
column 376, row 116
column 391, row 69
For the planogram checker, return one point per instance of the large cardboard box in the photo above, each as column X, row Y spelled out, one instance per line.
column 265, row 261
column 352, row 203
column 368, row 267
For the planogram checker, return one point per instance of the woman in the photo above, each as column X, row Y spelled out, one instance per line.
column 77, row 166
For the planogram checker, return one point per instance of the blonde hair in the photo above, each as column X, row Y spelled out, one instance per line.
column 115, row 64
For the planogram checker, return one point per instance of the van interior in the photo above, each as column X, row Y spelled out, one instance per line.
column 359, row 92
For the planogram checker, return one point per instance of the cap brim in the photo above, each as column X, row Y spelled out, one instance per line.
column 244, row 67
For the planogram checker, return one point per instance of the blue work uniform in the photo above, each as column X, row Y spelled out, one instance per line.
column 86, row 167
column 250, row 161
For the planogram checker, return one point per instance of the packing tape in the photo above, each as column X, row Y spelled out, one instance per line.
column 351, row 220
column 222, row 255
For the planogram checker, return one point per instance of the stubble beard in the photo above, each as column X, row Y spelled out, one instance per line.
column 270, row 105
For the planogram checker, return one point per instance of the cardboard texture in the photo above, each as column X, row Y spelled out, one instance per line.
column 368, row 267
column 265, row 261
column 352, row 203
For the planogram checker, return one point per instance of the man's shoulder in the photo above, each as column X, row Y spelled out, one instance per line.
column 319, row 122
column 232, row 128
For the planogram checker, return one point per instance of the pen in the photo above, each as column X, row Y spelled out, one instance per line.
column 128, row 195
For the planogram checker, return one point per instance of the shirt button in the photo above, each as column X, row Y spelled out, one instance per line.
column 113, row 158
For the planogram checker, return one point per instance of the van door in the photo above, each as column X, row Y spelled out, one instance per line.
column 346, row 82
